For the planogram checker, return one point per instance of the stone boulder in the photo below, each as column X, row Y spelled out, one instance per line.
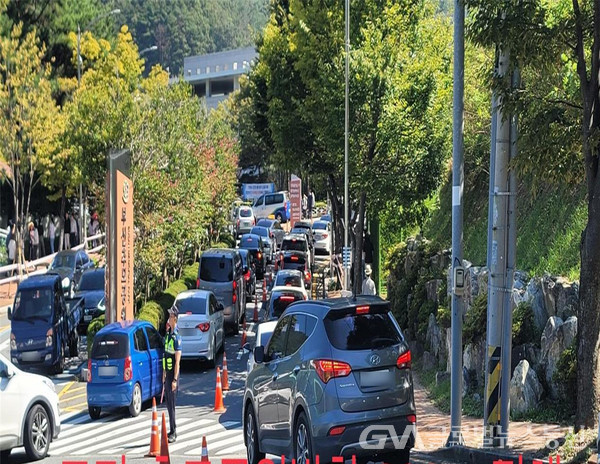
column 429, row 361
column 528, row 351
column 416, row 349
column 557, row 337
column 535, row 296
column 410, row 263
column 434, row 339
column 432, row 288
column 566, row 297
column 525, row 389
column 472, row 284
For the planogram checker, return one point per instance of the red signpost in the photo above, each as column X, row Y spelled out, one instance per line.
column 295, row 200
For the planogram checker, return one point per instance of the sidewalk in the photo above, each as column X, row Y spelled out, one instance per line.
column 433, row 429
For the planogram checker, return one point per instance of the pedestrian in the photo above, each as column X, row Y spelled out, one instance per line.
column 304, row 206
column 9, row 234
column 52, row 233
column 171, row 362
column 34, row 241
column 12, row 246
column 368, row 286
column 73, row 230
column 310, row 203
column 41, row 230
column 67, row 231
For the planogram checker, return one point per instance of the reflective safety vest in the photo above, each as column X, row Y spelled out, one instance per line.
column 172, row 344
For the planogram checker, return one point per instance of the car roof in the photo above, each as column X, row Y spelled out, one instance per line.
column 219, row 252
column 252, row 236
column 43, row 280
column 124, row 326
column 266, row 229
column 191, row 294
column 67, row 252
column 320, row 308
column 241, row 207
column 264, row 220
column 288, row 271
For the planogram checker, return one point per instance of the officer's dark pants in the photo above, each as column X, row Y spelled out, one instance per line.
column 171, row 399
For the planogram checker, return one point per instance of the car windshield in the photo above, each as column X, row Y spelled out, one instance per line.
column 216, row 269
column 245, row 213
column 319, row 226
column 281, row 300
column 294, row 244
column 289, row 280
column 63, row 261
column 361, row 332
column 33, row 304
column 110, row 346
column 92, row 281
column 195, row 305
column 265, row 337
column 264, row 223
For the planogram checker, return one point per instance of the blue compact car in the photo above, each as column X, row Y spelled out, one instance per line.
column 125, row 367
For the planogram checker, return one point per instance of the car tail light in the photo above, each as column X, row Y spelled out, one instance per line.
column 198, row 283
column 89, row 371
column 328, row 369
column 203, row 326
column 336, row 430
column 259, row 255
column 294, row 258
column 247, row 276
column 404, row 361
column 234, row 292
column 411, row 418
column 127, row 372
column 286, row 298
column 362, row 310
column 324, row 236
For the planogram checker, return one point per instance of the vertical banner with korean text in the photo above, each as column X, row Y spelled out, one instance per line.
column 120, row 235
column 295, row 200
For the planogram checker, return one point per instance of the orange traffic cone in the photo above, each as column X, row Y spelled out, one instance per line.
column 244, row 336
column 225, row 373
column 204, row 457
column 264, row 298
column 219, row 406
column 154, row 440
column 164, row 443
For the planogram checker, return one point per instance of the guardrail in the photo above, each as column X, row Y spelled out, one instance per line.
column 22, row 271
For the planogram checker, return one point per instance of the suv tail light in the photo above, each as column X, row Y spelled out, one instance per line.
column 247, row 276
column 286, row 298
column 198, row 282
column 89, row 371
column 259, row 254
column 234, row 298
column 404, row 361
column 127, row 372
column 362, row 310
column 328, row 369
column 203, row 326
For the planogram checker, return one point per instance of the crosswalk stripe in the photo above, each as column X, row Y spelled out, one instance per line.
column 218, row 445
column 198, row 434
column 80, row 428
column 232, row 449
column 214, row 439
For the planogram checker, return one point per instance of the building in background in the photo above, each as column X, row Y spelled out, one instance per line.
column 216, row 75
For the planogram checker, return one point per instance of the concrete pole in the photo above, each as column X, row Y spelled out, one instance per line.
column 511, row 263
column 455, row 437
column 497, row 275
column 346, row 143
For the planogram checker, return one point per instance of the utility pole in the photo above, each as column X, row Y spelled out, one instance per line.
column 346, row 144
column 455, row 437
column 511, row 258
column 497, row 281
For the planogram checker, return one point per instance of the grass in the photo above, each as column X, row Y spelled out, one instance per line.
column 548, row 412
column 577, row 448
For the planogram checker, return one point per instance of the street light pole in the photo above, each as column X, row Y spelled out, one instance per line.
column 149, row 49
column 346, row 144
column 82, row 221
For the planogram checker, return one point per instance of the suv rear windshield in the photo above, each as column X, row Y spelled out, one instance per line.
column 280, row 301
column 245, row 213
column 110, row 346
column 294, row 244
column 195, row 305
column 291, row 280
column 216, row 269
column 361, row 332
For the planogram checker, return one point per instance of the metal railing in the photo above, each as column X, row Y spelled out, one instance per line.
column 20, row 272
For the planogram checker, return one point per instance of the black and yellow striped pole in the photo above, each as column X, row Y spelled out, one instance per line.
column 492, row 404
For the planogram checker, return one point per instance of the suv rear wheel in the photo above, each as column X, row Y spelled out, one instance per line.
column 251, row 439
column 94, row 412
column 303, row 449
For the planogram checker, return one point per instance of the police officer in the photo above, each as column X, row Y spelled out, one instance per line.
column 171, row 362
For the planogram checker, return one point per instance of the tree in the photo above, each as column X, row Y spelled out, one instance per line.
column 27, row 113
column 559, row 39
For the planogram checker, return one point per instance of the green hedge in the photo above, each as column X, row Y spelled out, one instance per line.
column 93, row 329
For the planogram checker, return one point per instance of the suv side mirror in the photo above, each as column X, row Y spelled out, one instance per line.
column 9, row 313
column 259, row 354
column 221, row 307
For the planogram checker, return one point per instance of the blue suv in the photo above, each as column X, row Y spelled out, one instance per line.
column 125, row 367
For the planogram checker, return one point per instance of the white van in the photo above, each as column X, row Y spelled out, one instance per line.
column 276, row 204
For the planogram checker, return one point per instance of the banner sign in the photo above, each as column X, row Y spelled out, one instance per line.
column 119, row 251
column 295, row 200
column 253, row 191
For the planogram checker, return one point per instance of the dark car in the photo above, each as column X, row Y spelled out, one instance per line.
column 275, row 227
column 249, row 271
column 70, row 264
column 221, row 271
column 269, row 241
column 91, row 289
column 331, row 370
column 280, row 299
column 125, row 367
column 254, row 244
column 306, row 226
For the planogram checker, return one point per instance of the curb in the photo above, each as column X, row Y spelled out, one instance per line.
column 467, row 455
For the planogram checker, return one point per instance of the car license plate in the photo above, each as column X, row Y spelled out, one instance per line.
column 107, row 371
column 87, row 318
column 30, row 356
column 381, row 378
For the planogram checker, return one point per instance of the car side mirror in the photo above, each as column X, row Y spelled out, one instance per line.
column 6, row 373
column 9, row 313
column 221, row 307
column 259, row 354
column 246, row 348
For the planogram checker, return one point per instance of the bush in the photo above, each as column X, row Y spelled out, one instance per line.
column 444, row 317
column 153, row 313
column 476, row 320
column 565, row 376
column 524, row 328
column 93, row 329
column 190, row 275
